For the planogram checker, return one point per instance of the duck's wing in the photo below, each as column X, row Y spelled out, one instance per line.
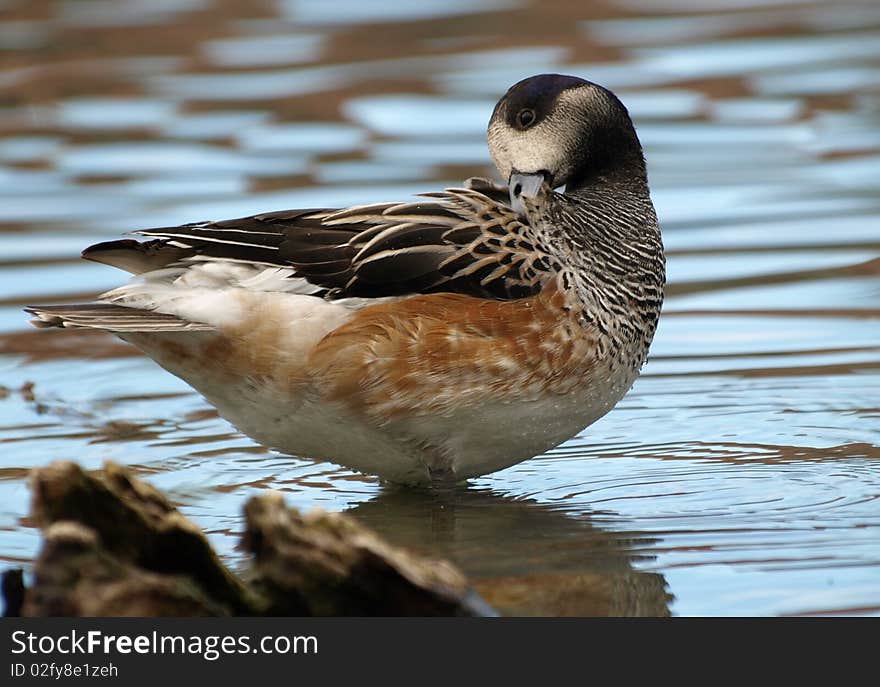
column 465, row 240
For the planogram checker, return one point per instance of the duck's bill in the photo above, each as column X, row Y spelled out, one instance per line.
column 524, row 185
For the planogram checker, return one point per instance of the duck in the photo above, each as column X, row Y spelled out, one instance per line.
column 424, row 341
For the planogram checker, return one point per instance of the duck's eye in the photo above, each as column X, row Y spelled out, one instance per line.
column 526, row 118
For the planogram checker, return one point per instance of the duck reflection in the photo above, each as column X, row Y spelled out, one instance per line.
column 525, row 558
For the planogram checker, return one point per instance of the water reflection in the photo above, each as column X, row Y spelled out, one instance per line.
column 525, row 558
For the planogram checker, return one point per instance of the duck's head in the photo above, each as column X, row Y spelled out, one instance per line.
column 563, row 130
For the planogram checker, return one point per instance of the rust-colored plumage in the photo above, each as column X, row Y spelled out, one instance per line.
column 426, row 354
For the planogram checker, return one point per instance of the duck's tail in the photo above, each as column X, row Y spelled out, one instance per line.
column 110, row 317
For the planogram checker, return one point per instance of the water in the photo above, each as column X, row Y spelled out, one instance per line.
column 741, row 474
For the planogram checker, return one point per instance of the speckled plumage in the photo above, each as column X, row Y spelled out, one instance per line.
column 438, row 339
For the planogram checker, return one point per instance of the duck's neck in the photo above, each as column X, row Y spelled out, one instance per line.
column 609, row 231
column 625, row 172
column 609, row 156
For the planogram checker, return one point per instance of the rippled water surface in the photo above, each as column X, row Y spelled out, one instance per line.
column 740, row 475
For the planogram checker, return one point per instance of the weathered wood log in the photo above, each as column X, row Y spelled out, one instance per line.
column 115, row 546
column 12, row 590
column 132, row 523
column 328, row 564
column 76, row 576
